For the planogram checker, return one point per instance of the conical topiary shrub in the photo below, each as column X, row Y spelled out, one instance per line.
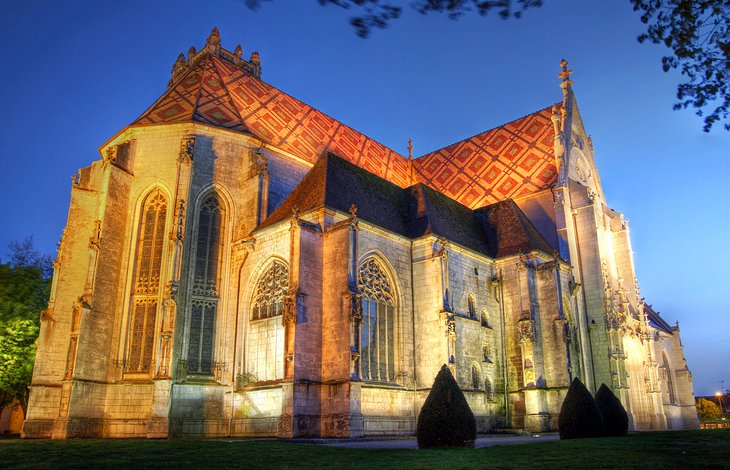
column 579, row 416
column 446, row 419
column 615, row 419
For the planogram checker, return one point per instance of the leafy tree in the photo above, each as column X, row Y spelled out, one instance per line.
column 17, row 354
column 579, row 415
column 379, row 13
column 708, row 410
column 698, row 34
column 24, row 288
column 696, row 31
column 445, row 419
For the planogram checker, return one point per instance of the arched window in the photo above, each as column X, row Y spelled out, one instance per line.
column 268, row 298
column 265, row 354
column 476, row 379
column 670, row 382
column 206, row 274
column 146, row 282
column 472, row 306
column 377, row 331
column 485, row 317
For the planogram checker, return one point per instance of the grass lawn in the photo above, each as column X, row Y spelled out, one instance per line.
column 677, row 449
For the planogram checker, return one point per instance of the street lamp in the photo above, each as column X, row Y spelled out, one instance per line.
column 719, row 401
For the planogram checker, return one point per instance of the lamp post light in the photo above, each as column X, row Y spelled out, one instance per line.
column 719, row 401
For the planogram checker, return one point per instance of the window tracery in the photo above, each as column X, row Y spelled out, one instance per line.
column 670, row 382
column 146, row 282
column 476, row 380
column 206, row 268
column 271, row 289
column 377, row 329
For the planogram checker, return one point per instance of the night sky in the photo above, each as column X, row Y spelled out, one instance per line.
column 74, row 73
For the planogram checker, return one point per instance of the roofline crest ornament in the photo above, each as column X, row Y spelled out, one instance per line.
column 213, row 47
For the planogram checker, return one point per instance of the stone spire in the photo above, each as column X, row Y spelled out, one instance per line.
column 567, row 83
column 213, row 43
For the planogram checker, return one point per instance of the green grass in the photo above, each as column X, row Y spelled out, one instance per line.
column 679, row 449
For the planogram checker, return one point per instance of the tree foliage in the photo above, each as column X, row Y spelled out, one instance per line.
column 579, row 415
column 24, row 287
column 698, row 34
column 708, row 410
column 372, row 14
column 445, row 419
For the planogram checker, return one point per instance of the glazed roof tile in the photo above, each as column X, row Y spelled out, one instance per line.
column 506, row 162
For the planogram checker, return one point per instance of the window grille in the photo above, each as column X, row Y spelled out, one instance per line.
column 209, row 248
column 146, row 282
column 377, row 330
column 268, row 298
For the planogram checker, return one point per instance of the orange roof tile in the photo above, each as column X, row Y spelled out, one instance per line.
column 217, row 93
column 506, row 162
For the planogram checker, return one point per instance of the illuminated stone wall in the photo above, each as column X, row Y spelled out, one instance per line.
column 513, row 330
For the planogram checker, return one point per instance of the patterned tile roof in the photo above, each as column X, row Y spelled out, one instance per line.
column 216, row 92
column 219, row 89
column 506, row 162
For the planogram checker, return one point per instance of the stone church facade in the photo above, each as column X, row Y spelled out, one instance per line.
column 239, row 263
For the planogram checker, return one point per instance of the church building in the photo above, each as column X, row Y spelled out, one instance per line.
column 239, row 263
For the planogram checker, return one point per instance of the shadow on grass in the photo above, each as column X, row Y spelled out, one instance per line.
column 672, row 449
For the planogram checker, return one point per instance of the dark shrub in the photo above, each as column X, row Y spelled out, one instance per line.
column 579, row 416
column 615, row 419
column 446, row 419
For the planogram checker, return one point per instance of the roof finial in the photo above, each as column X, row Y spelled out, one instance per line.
column 353, row 210
column 214, row 40
column 410, row 148
column 567, row 82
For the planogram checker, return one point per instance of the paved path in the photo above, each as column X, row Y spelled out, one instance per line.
column 410, row 443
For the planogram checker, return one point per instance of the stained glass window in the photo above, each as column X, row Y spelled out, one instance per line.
column 268, row 298
column 377, row 331
column 146, row 282
column 209, row 247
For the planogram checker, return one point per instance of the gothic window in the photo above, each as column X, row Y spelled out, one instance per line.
column 476, row 380
column 670, row 382
column 472, row 306
column 146, row 282
column 206, row 274
column 485, row 317
column 268, row 297
column 377, row 330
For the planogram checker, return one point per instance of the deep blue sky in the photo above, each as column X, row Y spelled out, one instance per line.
column 74, row 73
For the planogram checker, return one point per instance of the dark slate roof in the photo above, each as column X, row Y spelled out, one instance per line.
column 656, row 320
column 509, row 230
column 337, row 184
column 501, row 229
column 431, row 212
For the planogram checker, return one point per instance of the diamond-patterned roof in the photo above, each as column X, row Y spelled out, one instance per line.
column 506, row 162
column 220, row 94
